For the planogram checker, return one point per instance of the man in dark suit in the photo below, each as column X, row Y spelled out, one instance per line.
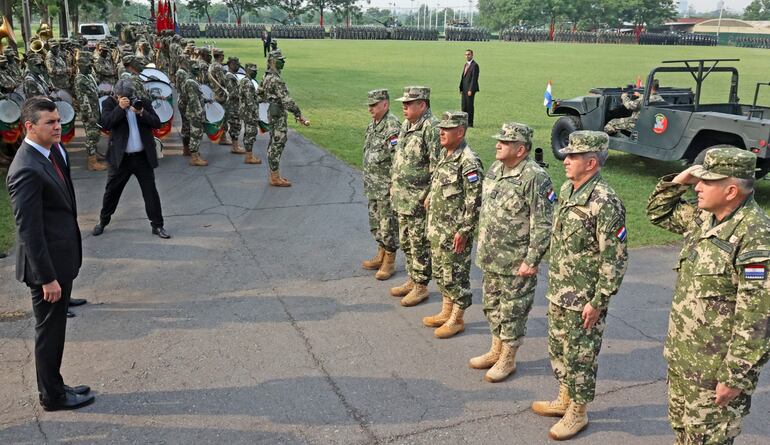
column 267, row 38
column 469, row 85
column 130, row 151
column 48, row 246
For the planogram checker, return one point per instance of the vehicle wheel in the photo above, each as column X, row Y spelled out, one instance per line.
column 560, row 132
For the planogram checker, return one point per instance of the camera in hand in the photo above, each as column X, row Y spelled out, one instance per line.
column 137, row 103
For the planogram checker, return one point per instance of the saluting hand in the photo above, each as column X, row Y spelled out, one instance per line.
column 685, row 177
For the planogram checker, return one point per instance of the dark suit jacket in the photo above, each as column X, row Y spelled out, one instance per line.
column 48, row 245
column 470, row 80
column 115, row 121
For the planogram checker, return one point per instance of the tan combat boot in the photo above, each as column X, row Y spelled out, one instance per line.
column 375, row 262
column 197, row 161
column 186, row 146
column 488, row 360
column 388, row 266
column 400, row 291
column 453, row 326
column 415, row 296
column 505, row 365
column 276, row 180
column 251, row 159
column 223, row 140
column 94, row 165
column 237, row 149
column 553, row 408
column 573, row 422
column 435, row 321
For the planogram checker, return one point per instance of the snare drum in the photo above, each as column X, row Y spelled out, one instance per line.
column 10, row 113
column 67, row 114
column 159, row 90
column 215, row 117
column 150, row 74
column 206, row 91
column 165, row 113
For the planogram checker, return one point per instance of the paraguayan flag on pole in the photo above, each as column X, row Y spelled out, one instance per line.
column 547, row 98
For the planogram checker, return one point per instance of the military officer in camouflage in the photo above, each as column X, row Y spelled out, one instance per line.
column 218, row 83
column 181, row 77
column 104, row 66
column 380, row 142
column 233, row 104
column 276, row 94
column 249, row 112
column 635, row 106
column 57, row 66
column 453, row 204
column 87, row 94
column 588, row 259
column 413, row 163
column 719, row 325
column 514, row 231
column 194, row 113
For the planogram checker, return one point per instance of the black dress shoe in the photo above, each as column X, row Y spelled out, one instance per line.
column 80, row 389
column 68, row 401
column 77, row 301
column 160, row 232
column 70, row 314
column 98, row 229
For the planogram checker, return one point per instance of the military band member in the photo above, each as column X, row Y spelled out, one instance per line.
column 217, row 82
column 719, row 326
column 104, row 66
column 57, row 66
column 87, row 94
column 380, row 142
column 233, row 104
column 36, row 81
column 588, row 259
column 195, row 113
column 514, row 232
column 249, row 112
column 453, row 204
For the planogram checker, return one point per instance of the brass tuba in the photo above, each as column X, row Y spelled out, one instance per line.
column 38, row 46
column 6, row 30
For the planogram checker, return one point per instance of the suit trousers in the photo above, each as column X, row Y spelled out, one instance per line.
column 50, row 330
column 117, row 177
column 467, row 105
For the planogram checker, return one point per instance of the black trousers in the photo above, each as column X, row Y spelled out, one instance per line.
column 467, row 105
column 117, row 177
column 266, row 47
column 50, row 330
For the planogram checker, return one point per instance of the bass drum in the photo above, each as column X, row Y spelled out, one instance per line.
column 165, row 112
column 67, row 115
column 150, row 74
column 215, row 120
column 159, row 90
column 10, row 113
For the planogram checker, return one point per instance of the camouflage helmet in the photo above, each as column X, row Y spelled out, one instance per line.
column 250, row 67
column 724, row 161
column 587, row 141
column 217, row 52
column 514, row 132
column 85, row 58
column 453, row 119
column 34, row 59
column 376, row 96
column 275, row 55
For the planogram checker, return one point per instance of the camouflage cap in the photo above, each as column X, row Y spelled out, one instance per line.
column 453, row 119
column 218, row 52
column 204, row 50
column 275, row 55
column 376, row 96
column 724, row 161
column 415, row 93
column 233, row 60
column 250, row 66
column 34, row 59
column 586, row 141
column 514, row 132
column 85, row 57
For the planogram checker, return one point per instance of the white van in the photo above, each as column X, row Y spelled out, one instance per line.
column 94, row 32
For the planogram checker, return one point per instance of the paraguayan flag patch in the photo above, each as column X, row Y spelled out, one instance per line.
column 393, row 140
column 754, row 272
column 472, row 176
column 621, row 233
column 551, row 196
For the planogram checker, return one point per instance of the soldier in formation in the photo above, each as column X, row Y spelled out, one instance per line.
column 233, row 104
column 249, row 112
column 588, row 259
column 277, row 96
column 380, row 142
column 366, row 32
column 194, row 112
column 297, row 32
column 36, row 80
column 413, row 163
column 514, row 232
column 412, row 33
column 452, row 205
column 87, row 94
column 104, row 66
column 619, row 124
column 458, row 34
column 718, row 327
column 13, row 66
column 57, row 66
column 218, row 84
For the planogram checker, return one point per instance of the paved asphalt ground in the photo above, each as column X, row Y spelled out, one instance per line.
column 255, row 324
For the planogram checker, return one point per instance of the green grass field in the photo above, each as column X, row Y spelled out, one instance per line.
column 329, row 80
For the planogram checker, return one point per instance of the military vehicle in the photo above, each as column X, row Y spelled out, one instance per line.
column 681, row 127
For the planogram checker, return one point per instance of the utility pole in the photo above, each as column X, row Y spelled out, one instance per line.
column 470, row 11
column 26, row 30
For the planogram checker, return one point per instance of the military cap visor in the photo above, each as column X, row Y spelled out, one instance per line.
column 453, row 119
column 726, row 162
column 586, row 141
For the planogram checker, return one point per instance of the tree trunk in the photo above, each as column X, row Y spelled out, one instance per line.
column 43, row 9
column 552, row 29
column 322, row 16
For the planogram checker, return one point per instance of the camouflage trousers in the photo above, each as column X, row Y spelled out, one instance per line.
column 382, row 223
column 226, row 119
column 415, row 244
column 452, row 272
column 507, row 301
column 621, row 123
column 250, row 133
column 696, row 419
column 574, row 350
column 196, row 135
column 279, row 134
column 185, row 130
column 233, row 121
column 92, row 137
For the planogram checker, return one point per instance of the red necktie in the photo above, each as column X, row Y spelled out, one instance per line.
column 56, row 167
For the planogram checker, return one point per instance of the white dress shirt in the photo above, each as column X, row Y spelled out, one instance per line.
column 45, row 151
column 134, row 144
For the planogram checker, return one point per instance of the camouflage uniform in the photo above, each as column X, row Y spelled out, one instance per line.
column 7, row 82
column 181, row 78
column 105, row 69
column 57, row 68
column 249, row 109
column 194, row 111
column 633, row 105
column 514, row 227
column 587, row 263
column 413, row 163
column 87, row 95
column 14, row 70
column 454, row 198
column 277, row 95
column 136, row 81
column 36, row 81
column 381, row 139
column 719, row 326
column 233, row 102
column 217, row 82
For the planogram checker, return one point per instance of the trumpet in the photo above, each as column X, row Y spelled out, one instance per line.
column 38, row 46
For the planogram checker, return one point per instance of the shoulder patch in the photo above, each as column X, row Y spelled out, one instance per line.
column 393, row 140
column 754, row 272
column 621, row 233
column 551, row 195
column 471, row 176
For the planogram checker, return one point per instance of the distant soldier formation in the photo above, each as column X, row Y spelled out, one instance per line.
column 652, row 38
column 232, row 31
column 753, row 42
column 297, row 32
column 466, row 34
column 612, row 37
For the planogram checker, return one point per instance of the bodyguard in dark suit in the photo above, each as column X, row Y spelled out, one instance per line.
column 469, row 85
column 130, row 151
column 48, row 246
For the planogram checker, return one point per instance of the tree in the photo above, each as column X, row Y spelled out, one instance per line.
column 320, row 6
column 241, row 7
column 201, row 8
column 345, row 9
column 757, row 10
column 292, row 8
